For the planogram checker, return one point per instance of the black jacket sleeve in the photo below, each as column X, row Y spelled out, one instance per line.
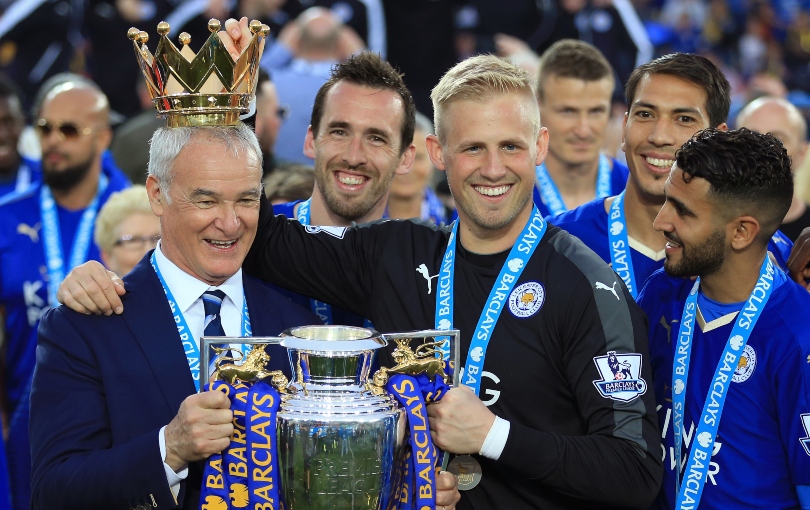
column 618, row 459
column 331, row 264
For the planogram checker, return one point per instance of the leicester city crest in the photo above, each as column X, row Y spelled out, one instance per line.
column 621, row 376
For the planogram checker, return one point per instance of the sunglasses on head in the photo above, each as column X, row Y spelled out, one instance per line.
column 64, row 131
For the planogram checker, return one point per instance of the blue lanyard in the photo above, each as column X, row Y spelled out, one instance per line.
column 303, row 215
column 620, row 256
column 688, row 494
column 518, row 257
column 319, row 308
column 551, row 195
column 24, row 175
column 432, row 208
column 190, row 346
column 52, row 238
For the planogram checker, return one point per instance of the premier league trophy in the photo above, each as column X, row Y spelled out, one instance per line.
column 341, row 438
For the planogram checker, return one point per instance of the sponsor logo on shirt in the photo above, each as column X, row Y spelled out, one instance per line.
column 621, row 378
column 32, row 232
column 337, row 232
column 806, row 440
column 526, row 299
column 746, row 365
column 688, row 438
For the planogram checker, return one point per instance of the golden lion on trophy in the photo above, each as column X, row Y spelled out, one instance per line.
column 250, row 371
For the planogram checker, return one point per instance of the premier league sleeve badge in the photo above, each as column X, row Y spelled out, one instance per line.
column 621, row 379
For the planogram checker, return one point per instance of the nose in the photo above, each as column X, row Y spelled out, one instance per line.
column 661, row 133
column 493, row 167
column 228, row 219
column 662, row 221
column 355, row 154
column 582, row 129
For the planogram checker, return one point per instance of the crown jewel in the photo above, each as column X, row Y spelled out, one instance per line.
column 205, row 89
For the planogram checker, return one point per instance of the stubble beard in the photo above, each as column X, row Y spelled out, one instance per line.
column 356, row 207
column 701, row 260
column 67, row 179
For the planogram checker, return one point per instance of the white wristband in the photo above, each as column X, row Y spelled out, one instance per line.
column 496, row 439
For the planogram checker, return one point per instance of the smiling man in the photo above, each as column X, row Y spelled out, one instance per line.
column 574, row 91
column 734, row 344
column 669, row 100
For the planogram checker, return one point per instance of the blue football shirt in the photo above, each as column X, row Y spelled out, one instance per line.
column 589, row 222
column 23, row 275
column 761, row 458
column 618, row 181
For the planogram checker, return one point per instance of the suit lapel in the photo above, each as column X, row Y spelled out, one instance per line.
column 149, row 317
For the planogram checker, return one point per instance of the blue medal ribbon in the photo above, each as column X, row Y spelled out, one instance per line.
column 214, row 492
column 518, row 257
column 687, row 495
column 620, row 256
column 246, row 474
column 263, row 477
column 551, row 194
column 190, row 346
column 52, row 238
column 414, row 393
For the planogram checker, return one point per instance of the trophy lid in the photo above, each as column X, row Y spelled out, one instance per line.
column 332, row 339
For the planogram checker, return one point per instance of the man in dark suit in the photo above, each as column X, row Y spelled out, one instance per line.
column 115, row 419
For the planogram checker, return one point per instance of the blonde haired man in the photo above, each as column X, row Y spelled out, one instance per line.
column 126, row 228
column 543, row 419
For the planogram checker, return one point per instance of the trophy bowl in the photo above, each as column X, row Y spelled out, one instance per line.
column 338, row 442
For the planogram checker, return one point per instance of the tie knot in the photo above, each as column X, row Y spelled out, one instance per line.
column 212, row 301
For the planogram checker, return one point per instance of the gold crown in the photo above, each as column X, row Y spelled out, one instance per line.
column 205, row 89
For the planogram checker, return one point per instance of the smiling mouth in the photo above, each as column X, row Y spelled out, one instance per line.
column 492, row 191
column 221, row 244
column 663, row 164
column 348, row 179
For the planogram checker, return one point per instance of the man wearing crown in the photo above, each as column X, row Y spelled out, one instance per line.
column 116, row 419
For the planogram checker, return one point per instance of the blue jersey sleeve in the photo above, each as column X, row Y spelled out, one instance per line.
column 792, row 393
column 780, row 247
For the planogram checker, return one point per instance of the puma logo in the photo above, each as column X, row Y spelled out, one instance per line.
column 602, row 286
column 423, row 270
column 32, row 232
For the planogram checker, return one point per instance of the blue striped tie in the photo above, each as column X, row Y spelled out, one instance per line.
column 212, row 301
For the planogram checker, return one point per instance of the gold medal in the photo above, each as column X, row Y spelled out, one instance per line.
column 468, row 471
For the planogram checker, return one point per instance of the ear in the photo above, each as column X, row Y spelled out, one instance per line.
column 745, row 231
column 309, row 144
column 156, row 198
column 722, row 127
column 542, row 146
column 104, row 138
column 406, row 160
column 434, row 149
column 624, row 127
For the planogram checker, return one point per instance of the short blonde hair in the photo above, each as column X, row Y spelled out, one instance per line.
column 118, row 208
column 479, row 78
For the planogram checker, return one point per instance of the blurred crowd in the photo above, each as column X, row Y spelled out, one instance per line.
column 763, row 46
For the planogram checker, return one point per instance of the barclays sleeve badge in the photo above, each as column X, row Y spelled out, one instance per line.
column 621, row 379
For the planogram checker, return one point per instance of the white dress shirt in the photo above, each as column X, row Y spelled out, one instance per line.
column 187, row 291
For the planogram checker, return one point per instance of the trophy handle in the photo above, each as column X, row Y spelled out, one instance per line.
column 447, row 347
column 224, row 344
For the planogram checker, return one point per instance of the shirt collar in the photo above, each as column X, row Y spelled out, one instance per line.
column 187, row 289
